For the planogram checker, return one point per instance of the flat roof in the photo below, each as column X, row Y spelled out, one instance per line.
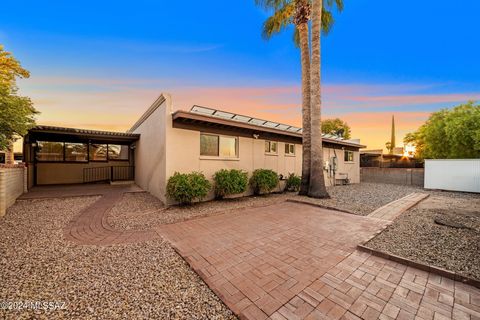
column 219, row 117
column 52, row 131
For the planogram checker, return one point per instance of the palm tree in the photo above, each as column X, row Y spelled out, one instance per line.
column 320, row 17
column 297, row 12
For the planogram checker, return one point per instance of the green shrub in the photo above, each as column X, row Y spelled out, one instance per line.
column 229, row 182
column 293, row 182
column 263, row 181
column 187, row 187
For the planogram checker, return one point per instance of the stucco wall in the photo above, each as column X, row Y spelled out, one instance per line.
column 344, row 169
column 12, row 185
column 183, row 155
column 163, row 150
column 150, row 151
column 68, row 173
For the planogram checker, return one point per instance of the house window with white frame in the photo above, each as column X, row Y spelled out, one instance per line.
column 271, row 147
column 348, row 156
column 289, row 149
column 213, row 145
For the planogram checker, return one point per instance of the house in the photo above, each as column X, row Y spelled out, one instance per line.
column 164, row 141
column 17, row 157
column 397, row 159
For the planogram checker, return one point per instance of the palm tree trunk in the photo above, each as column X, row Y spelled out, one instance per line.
column 9, row 154
column 306, row 144
column 317, row 187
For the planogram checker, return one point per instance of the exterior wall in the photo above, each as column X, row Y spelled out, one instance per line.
column 12, row 185
column 403, row 176
column 163, row 150
column 344, row 168
column 151, row 149
column 68, row 173
column 183, row 155
column 453, row 174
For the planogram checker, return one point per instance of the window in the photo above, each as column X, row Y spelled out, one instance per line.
column 289, row 149
column 271, row 147
column 117, row 152
column 50, row 151
column 228, row 147
column 98, row 152
column 209, row 145
column 76, row 151
column 348, row 156
column 218, row 146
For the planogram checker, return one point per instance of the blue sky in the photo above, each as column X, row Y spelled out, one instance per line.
column 91, row 58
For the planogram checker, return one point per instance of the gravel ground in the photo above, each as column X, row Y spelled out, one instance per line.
column 362, row 198
column 456, row 246
column 134, row 281
column 142, row 211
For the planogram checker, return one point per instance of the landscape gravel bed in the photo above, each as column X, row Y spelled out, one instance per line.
column 142, row 211
column 362, row 198
column 135, row 281
column 443, row 231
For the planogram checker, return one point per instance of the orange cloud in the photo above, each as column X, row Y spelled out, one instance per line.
column 115, row 104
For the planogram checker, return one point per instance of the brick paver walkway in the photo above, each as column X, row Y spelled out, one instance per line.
column 294, row 261
column 395, row 208
column 90, row 226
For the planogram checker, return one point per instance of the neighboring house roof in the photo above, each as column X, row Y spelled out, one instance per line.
column 219, row 117
column 377, row 152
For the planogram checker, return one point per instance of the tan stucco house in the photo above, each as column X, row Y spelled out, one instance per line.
column 164, row 141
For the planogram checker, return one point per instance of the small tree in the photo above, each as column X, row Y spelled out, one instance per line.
column 16, row 112
column 449, row 134
column 336, row 126
column 389, row 147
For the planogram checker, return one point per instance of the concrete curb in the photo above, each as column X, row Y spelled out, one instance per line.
column 425, row 267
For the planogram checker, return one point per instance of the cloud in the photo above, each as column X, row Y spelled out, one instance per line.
column 116, row 103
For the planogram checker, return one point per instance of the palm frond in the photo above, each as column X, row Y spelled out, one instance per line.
column 280, row 20
column 329, row 4
column 296, row 38
column 327, row 21
column 271, row 4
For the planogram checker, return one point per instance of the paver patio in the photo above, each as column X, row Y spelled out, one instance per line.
column 392, row 210
column 295, row 261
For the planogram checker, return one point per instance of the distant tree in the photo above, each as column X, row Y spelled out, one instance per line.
column 449, row 134
column 16, row 112
column 389, row 147
column 336, row 126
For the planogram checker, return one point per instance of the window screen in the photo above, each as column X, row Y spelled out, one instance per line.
column 117, row 152
column 98, row 152
column 76, row 151
column 50, row 151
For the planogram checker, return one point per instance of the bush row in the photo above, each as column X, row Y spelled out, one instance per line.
column 186, row 188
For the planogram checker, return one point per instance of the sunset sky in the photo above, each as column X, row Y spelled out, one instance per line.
column 100, row 64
